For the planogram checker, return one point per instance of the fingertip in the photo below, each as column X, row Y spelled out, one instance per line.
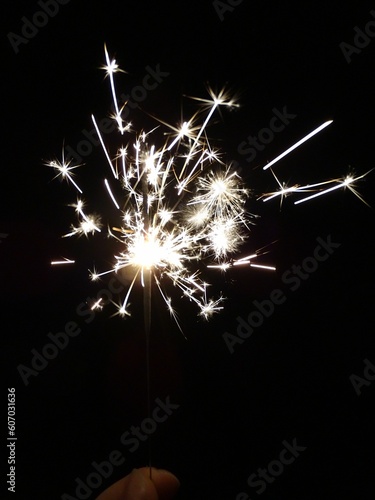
column 139, row 487
column 144, row 483
column 166, row 483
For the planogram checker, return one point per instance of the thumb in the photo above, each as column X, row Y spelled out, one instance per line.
column 139, row 487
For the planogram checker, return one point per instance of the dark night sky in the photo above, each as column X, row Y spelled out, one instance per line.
column 289, row 380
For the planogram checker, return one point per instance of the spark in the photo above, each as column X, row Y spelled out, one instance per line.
column 110, row 68
column 211, row 308
column 64, row 170
column 111, row 194
column 297, row 144
column 60, row 262
column 241, row 262
column 346, row 182
column 218, row 100
column 285, row 191
column 97, row 305
column 115, row 174
column 260, row 266
column 88, row 223
column 184, row 131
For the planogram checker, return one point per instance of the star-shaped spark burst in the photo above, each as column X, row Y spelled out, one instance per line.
column 64, row 170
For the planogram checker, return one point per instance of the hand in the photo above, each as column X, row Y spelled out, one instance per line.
column 138, row 485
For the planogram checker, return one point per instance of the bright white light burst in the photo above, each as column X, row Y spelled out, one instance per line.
column 179, row 205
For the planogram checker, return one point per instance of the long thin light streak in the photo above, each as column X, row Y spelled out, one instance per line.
column 347, row 182
column 260, row 266
column 61, row 262
column 111, row 194
column 297, row 144
column 115, row 174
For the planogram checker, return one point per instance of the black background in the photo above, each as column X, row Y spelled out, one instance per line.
column 291, row 378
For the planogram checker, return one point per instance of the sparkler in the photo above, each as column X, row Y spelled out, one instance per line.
column 172, row 213
column 180, row 205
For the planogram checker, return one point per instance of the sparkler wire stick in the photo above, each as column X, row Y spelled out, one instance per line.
column 297, row 144
column 173, row 214
column 147, row 301
column 147, row 324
